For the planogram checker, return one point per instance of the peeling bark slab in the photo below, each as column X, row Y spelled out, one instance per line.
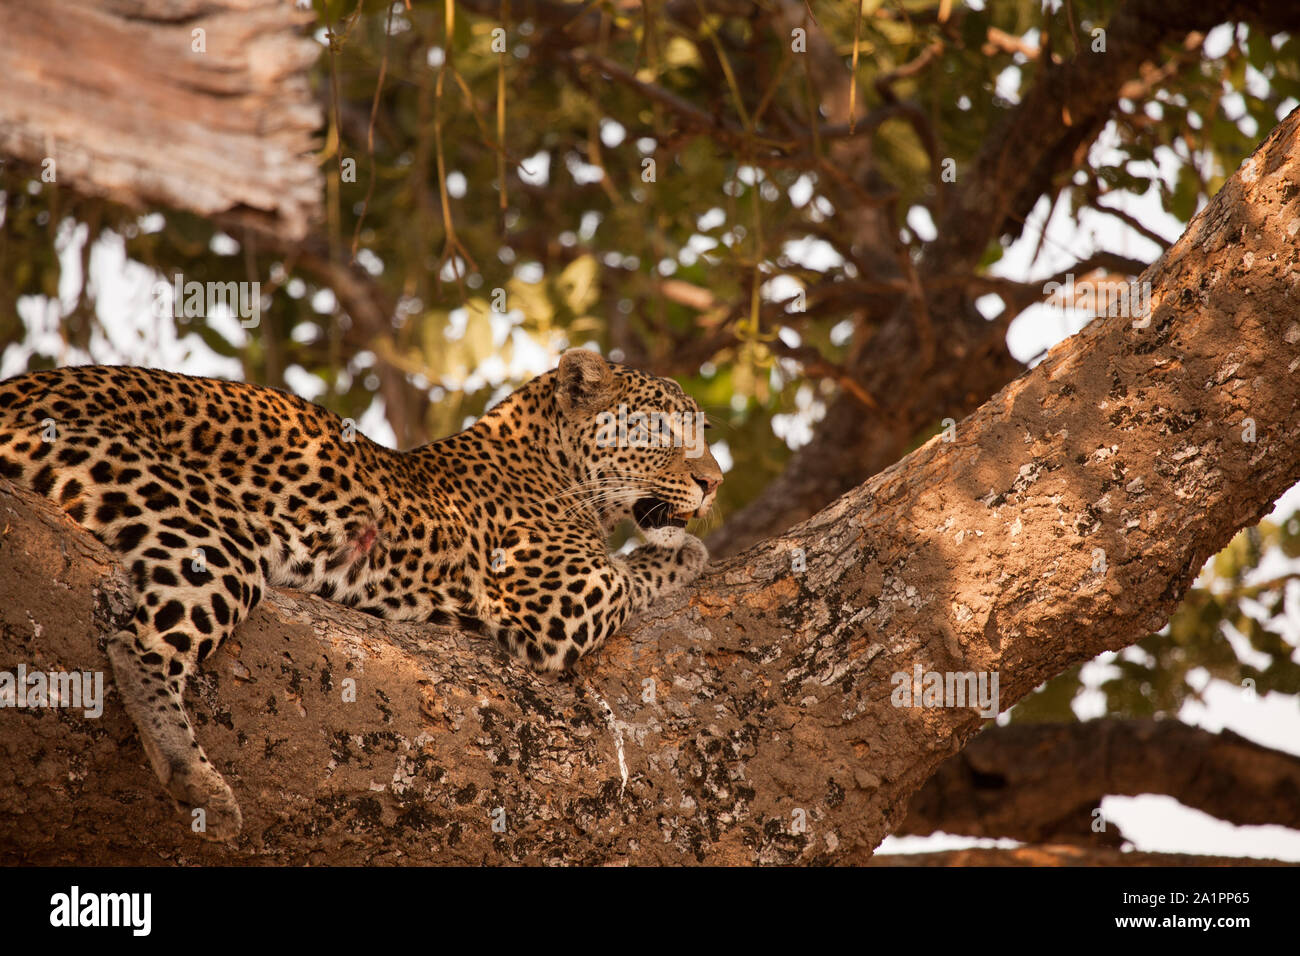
column 117, row 96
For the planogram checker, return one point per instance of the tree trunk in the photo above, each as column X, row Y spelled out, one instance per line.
column 202, row 105
column 748, row 718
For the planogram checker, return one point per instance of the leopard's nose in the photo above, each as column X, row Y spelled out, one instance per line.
column 708, row 484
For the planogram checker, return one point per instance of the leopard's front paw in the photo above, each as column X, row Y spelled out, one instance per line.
column 670, row 537
column 688, row 553
column 692, row 556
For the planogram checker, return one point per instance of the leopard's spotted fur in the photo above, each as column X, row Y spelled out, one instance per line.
column 211, row 491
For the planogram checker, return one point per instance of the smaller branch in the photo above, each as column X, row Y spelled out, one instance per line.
column 690, row 114
column 688, row 294
column 789, row 150
column 452, row 246
column 1109, row 261
column 816, row 366
column 853, row 68
column 1042, row 783
column 370, row 132
column 885, row 82
column 503, row 204
column 1019, row 296
column 920, row 308
column 1133, row 224
column 1253, row 591
column 1152, row 76
column 1001, row 41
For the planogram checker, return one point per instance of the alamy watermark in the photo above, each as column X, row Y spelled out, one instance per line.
column 656, row 429
column 1130, row 300
column 946, row 689
column 191, row 300
column 82, row 690
column 75, row 908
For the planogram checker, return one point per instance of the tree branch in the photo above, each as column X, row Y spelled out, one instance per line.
column 1040, row 783
column 749, row 717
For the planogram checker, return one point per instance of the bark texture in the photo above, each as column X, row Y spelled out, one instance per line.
column 118, row 95
column 749, row 718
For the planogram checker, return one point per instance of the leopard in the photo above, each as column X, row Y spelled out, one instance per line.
column 209, row 492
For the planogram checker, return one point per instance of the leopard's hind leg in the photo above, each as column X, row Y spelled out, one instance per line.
column 156, row 705
column 197, row 562
column 195, row 579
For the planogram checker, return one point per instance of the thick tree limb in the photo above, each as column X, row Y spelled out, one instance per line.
column 748, row 718
column 1039, row 783
column 120, row 97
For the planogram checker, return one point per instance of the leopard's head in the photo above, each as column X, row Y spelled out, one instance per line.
column 640, row 441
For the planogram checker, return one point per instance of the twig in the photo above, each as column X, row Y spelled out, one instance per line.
column 370, row 132
column 884, row 83
column 853, row 70
column 452, row 246
column 1133, row 224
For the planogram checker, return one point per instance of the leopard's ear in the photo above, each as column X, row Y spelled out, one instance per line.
column 584, row 383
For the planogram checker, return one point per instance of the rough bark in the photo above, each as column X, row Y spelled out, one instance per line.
column 115, row 93
column 766, row 732
column 1040, row 783
column 854, row 441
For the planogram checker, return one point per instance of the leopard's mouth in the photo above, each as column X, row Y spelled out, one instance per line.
column 656, row 513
